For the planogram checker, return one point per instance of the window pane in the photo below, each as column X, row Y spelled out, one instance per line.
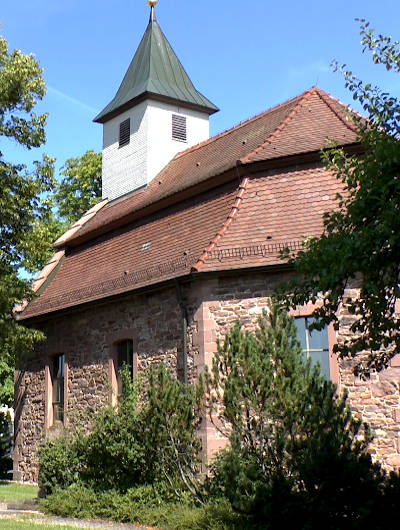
column 58, row 387
column 125, row 358
column 318, row 339
column 315, row 340
column 322, row 358
column 301, row 331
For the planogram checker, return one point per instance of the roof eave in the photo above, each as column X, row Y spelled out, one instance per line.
column 104, row 117
column 186, row 277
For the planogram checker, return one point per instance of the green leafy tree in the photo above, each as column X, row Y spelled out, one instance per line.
column 5, row 445
column 361, row 240
column 78, row 190
column 296, row 452
column 29, row 220
column 80, row 186
column 39, row 245
column 21, row 86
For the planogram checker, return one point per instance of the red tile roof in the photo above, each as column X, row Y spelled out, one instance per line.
column 280, row 208
column 151, row 250
column 239, row 224
column 300, row 125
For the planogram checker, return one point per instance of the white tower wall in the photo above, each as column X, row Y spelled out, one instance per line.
column 161, row 147
column 151, row 146
column 124, row 167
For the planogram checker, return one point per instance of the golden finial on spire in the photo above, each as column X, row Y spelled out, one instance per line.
column 152, row 5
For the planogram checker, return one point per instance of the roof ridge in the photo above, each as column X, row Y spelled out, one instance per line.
column 325, row 97
column 304, row 98
column 237, row 126
column 151, row 43
column 229, row 220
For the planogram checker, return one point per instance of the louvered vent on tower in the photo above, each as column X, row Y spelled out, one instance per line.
column 179, row 128
column 124, row 132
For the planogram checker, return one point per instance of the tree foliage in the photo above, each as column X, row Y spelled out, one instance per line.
column 361, row 240
column 5, row 445
column 76, row 191
column 21, row 86
column 80, row 186
column 296, row 455
column 149, row 441
column 29, row 219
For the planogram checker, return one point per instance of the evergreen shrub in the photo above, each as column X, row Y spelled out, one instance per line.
column 144, row 505
column 297, row 455
column 59, row 464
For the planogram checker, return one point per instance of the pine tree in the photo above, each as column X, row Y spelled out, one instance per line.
column 296, row 452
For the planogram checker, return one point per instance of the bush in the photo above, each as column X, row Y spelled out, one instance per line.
column 173, row 415
column 141, row 442
column 60, row 464
column 297, row 454
column 5, row 445
column 144, row 505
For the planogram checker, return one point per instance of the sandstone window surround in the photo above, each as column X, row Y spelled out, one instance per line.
column 303, row 315
column 123, row 350
column 56, row 391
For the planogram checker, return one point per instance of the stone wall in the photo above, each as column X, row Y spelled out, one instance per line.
column 86, row 338
column 154, row 320
column 377, row 400
column 216, row 305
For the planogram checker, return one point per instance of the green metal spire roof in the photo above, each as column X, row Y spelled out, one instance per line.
column 155, row 72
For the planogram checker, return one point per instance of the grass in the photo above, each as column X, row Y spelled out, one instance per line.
column 12, row 492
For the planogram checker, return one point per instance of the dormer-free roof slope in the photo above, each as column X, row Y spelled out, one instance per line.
column 171, row 229
column 155, row 72
column 303, row 124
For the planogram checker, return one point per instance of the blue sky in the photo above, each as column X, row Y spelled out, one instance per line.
column 244, row 56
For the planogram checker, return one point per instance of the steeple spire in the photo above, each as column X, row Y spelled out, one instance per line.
column 156, row 113
column 152, row 5
column 156, row 73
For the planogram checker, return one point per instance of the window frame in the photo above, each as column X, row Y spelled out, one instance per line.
column 306, row 311
column 113, row 341
column 49, row 391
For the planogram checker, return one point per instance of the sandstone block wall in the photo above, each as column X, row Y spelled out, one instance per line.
column 155, row 321
column 376, row 400
column 86, row 337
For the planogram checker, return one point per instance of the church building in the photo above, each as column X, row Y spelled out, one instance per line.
column 186, row 240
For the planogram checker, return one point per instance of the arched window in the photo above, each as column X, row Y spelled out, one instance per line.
column 125, row 357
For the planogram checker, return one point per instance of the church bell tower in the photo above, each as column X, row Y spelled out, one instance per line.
column 156, row 113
